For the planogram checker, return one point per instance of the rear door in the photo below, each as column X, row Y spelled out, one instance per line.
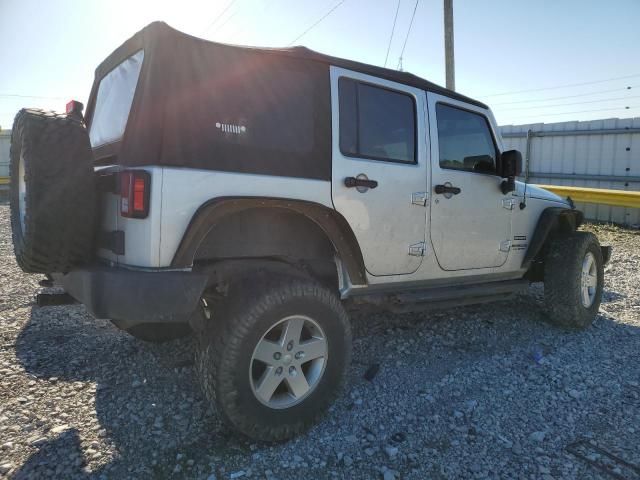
column 470, row 216
column 379, row 133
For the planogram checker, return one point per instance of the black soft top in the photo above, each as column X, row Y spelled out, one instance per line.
column 156, row 31
column 187, row 85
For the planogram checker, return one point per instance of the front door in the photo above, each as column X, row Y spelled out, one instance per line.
column 470, row 216
column 379, row 173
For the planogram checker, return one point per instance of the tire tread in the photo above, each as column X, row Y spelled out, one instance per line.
column 562, row 269
column 60, row 195
column 224, row 341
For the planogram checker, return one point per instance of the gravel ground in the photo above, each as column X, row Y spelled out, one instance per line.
column 479, row 392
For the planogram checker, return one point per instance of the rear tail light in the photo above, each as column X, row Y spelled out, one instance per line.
column 135, row 187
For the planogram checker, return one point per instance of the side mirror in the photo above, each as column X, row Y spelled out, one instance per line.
column 510, row 164
column 510, row 168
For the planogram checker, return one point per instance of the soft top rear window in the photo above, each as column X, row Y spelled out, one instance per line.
column 113, row 102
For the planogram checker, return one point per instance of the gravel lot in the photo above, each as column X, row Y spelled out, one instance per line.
column 479, row 392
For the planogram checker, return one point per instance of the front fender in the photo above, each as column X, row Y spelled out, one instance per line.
column 551, row 219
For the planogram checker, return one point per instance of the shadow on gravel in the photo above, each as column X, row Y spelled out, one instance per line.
column 152, row 417
column 609, row 296
column 47, row 461
column 148, row 406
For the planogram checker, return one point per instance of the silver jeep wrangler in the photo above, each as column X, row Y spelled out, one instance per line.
column 254, row 196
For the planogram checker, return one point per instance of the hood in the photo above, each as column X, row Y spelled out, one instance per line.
column 533, row 191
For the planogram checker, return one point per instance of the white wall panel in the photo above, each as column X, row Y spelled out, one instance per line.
column 602, row 154
column 5, row 142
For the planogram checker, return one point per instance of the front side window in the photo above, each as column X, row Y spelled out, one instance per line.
column 376, row 123
column 465, row 140
column 115, row 96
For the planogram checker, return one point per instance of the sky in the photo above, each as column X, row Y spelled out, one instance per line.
column 531, row 61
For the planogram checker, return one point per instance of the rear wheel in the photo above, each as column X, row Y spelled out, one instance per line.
column 274, row 355
column 573, row 280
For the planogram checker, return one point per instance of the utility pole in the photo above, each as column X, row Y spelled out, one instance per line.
column 450, row 69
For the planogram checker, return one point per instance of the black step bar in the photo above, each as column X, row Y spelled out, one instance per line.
column 442, row 297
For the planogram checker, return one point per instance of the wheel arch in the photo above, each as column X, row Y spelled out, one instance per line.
column 552, row 220
column 278, row 227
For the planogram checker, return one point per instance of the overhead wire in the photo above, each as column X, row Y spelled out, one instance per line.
column 17, row 95
column 562, row 86
column 316, row 22
column 579, row 111
column 413, row 15
column 240, row 29
column 219, row 16
column 393, row 28
column 221, row 26
column 571, row 103
column 565, row 96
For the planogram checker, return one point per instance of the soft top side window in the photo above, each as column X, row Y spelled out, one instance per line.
column 465, row 140
column 376, row 123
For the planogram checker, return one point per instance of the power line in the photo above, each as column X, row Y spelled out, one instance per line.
column 16, row 95
column 565, row 96
column 219, row 27
column 241, row 30
column 579, row 111
column 316, row 23
column 572, row 103
column 212, row 23
column 562, row 86
column 413, row 15
column 231, row 37
column 392, row 30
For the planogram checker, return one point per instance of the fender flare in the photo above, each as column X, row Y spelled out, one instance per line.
column 334, row 226
column 551, row 219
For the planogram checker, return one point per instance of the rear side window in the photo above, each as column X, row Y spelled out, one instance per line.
column 465, row 140
column 113, row 102
column 376, row 123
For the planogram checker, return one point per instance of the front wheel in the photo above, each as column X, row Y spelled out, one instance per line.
column 274, row 355
column 573, row 280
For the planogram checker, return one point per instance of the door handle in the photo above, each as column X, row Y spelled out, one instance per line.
column 447, row 189
column 351, row 182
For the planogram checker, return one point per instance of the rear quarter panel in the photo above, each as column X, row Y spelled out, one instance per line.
column 141, row 235
column 185, row 190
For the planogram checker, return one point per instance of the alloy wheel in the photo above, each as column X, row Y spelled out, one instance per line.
column 288, row 362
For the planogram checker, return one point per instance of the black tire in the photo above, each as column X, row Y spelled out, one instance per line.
column 158, row 332
column 59, row 192
column 563, row 276
column 225, row 348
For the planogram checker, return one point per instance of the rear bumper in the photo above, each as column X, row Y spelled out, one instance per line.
column 132, row 297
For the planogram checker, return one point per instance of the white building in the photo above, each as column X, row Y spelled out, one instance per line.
column 5, row 141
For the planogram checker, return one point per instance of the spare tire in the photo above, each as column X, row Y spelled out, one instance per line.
column 52, row 192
